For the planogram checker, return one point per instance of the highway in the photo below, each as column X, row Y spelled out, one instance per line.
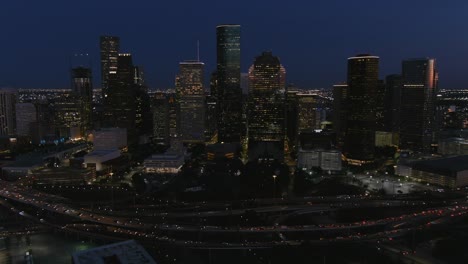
column 105, row 226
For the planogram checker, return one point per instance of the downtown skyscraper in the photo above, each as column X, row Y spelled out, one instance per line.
column 418, row 93
column 363, row 82
column 82, row 86
column 110, row 46
column 228, row 75
column 191, row 101
column 266, row 111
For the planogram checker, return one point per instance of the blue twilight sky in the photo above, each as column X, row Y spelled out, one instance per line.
column 313, row 38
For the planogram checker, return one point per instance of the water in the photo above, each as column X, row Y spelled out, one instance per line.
column 46, row 248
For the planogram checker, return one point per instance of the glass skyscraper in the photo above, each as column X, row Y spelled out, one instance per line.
column 418, row 103
column 83, row 89
column 228, row 74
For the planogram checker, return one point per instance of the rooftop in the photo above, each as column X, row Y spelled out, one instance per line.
column 123, row 252
column 445, row 166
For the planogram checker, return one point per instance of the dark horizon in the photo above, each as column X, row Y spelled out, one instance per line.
column 312, row 40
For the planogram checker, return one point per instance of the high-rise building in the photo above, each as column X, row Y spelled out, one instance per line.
column 143, row 116
column 211, row 114
column 191, row 99
column 121, row 98
column 160, row 109
column 266, row 115
column 26, row 118
column 363, row 83
column 291, row 114
column 418, row 103
column 83, row 88
column 340, row 111
column 244, row 83
column 173, row 108
column 67, row 115
column 110, row 46
column 392, row 102
column 309, row 112
column 8, row 99
column 228, row 75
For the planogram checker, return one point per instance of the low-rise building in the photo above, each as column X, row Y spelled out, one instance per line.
column 62, row 175
column 450, row 172
column 327, row 160
column 122, row 252
column 167, row 163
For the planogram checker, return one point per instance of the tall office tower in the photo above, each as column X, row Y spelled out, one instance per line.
column 83, row 88
column 244, row 83
column 67, row 115
column 121, row 98
column 309, row 114
column 8, row 99
column 363, row 82
column 392, row 104
column 110, row 46
column 143, row 116
column 160, row 110
column 26, row 118
column 138, row 76
column 418, row 103
column 191, row 99
column 291, row 115
column 340, row 111
column 211, row 112
column 45, row 125
column 380, row 107
column 266, row 114
column 228, row 73
column 173, row 116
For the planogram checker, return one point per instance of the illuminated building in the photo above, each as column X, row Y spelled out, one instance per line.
column 121, row 98
column 167, row 163
column 266, row 114
column 110, row 46
column 8, row 99
column 327, row 160
column 450, row 172
column 228, row 75
column 363, row 82
column 83, row 89
column 418, row 103
column 191, row 99
column 309, row 113
column 67, row 115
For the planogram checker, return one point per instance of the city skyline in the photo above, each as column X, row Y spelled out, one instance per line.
column 308, row 38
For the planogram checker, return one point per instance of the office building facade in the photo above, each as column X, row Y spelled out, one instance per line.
column 363, row 82
column 228, row 76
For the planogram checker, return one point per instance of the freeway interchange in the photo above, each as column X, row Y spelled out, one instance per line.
column 194, row 224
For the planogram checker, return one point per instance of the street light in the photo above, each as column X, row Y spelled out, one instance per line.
column 274, row 185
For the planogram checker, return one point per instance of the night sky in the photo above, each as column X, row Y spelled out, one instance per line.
column 312, row 38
